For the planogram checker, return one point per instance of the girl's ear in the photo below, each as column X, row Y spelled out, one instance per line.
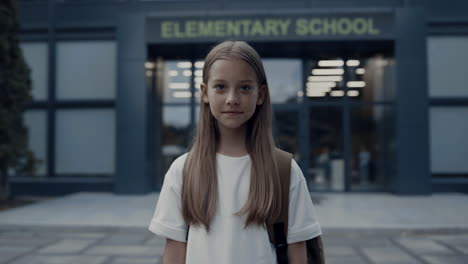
column 204, row 93
column 261, row 94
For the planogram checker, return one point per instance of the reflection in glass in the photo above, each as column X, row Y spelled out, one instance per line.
column 448, row 141
column 326, row 165
column 379, row 77
column 325, row 80
column 284, row 79
column 86, row 69
column 372, row 146
column 447, row 62
column 36, row 123
column 176, row 131
column 285, row 131
column 369, row 79
column 35, row 55
column 85, row 142
column 176, row 81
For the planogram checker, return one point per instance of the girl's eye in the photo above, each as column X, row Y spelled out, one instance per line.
column 219, row 86
column 245, row 88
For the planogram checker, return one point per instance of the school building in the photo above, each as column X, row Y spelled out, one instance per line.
column 369, row 95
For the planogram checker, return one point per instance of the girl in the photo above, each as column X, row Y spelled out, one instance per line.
column 226, row 187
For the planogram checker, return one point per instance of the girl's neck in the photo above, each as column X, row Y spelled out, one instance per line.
column 232, row 142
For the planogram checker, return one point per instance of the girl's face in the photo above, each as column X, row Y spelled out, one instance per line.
column 232, row 93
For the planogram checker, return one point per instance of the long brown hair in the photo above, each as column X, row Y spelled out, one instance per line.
column 200, row 184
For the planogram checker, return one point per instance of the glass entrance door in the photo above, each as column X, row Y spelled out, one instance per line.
column 338, row 122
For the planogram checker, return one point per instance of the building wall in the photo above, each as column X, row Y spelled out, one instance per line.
column 61, row 32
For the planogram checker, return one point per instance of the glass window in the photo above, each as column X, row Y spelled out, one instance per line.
column 176, row 134
column 36, row 123
column 378, row 79
column 449, row 128
column 36, row 56
column 372, row 146
column 284, row 79
column 326, row 165
column 86, row 70
column 368, row 80
column 176, row 81
column 448, row 66
column 325, row 79
column 85, row 142
column 285, row 131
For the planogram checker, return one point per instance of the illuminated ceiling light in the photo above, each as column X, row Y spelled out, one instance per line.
column 318, row 90
column 187, row 73
column 300, row 93
column 199, row 64
column 199, row 73
column 327, row 71
column 149, row 65
column 184, row 64
column 198, row 79
column 352, row 63
column 179, row 85
column 356, row 84
column 197, row 85
column 182, row 94
column 320, row 84
column 173, row 73
column 353, row 93
column 337, row 93
column 197, row 94
column 315, row 94
column 331, row 63
column 360, row 71
column 325, row 78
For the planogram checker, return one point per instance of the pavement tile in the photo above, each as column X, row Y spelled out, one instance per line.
column 155, row 241
column 453, row 240
column 460, row 259
column 462, row 248
column 60, row 259
column 358, row 241
column 347, row 260
column 25, row 241
column 424, row 246
column 121, row 260
column 125, row 239
column 388, row 255
column 125, row 251
column 67, row 246
column 7, row 253
column 7, row 233
column 339, row 251
column 74, row 235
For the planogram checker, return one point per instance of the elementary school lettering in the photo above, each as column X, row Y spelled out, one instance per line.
column 343, row 26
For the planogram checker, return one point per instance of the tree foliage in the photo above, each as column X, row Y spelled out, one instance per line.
column 15, row 95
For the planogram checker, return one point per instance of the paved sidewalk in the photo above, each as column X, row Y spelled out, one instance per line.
column 67, row 245
column 334, row 210
column 102, row 228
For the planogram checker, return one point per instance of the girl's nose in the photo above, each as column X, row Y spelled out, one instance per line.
column 233, row 97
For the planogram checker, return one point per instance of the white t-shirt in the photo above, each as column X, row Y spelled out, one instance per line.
column 228, row 242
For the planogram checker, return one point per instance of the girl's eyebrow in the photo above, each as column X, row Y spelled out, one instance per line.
column 221, row 80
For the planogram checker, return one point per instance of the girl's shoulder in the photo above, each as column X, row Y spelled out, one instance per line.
column 173, row 175
column 179, row 161
column 297, row 177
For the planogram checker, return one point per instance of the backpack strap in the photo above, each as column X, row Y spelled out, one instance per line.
column 278, row 231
